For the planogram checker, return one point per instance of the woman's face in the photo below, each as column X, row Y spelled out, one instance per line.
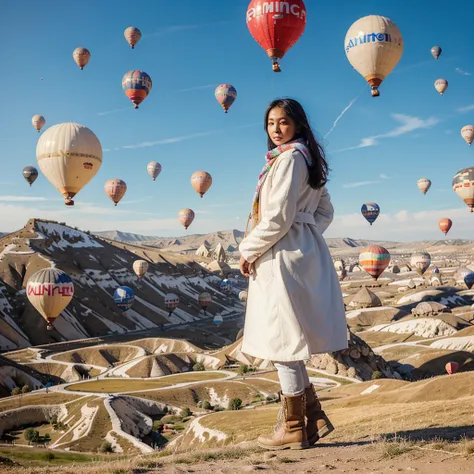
column 280, row 127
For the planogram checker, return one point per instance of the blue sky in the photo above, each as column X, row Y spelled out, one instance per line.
column 411, row 131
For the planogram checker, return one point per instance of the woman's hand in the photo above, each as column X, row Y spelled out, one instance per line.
column 245, row 267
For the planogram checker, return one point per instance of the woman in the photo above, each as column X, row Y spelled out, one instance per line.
column 294, row 306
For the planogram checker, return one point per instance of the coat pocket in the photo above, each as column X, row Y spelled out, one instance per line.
column 264, row 267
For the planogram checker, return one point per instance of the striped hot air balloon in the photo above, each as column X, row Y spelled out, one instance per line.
column 154, row 169
column 370, row 210
column 441, row 85
column 463, row 186
column 225, row 95
column 137, row 85
column 132, row 35
column 218, row 320
column 374, row 259
column 115, row 189
column 451, row 367
column 423, row 185
column 171, row 302
column 420, row 261
column 140, row 267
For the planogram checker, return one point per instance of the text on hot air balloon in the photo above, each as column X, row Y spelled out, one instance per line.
column 369, row 38
column 50, row 290
column 287, row 8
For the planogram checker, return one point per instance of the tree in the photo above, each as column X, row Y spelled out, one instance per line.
column 47, row 438
column 243, row 369
column 186, row 412
column 376, row 374
column 206, row 405
column 198, row 366
column 16, row 391
column 25, row 388
column 29, row 434
column 157, row 425
column 235, row 404
column 106, row 447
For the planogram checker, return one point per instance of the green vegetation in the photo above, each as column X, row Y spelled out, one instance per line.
column 198, row 366
column 15, row 391
column 185, row 412
column 106, row 447
column 376, row 374
column 235, row 404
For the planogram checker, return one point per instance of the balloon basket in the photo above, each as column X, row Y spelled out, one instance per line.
column 69, row 202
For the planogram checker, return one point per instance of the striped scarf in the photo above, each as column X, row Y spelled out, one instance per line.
column 270, row 158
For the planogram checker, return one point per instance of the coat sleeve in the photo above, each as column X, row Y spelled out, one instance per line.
column 325, row 212
column 280, row 210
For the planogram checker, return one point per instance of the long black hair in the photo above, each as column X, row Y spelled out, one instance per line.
column 318, row 171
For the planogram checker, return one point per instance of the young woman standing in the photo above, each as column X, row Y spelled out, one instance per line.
column 295, row 306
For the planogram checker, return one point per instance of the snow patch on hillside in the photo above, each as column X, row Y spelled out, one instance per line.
column 422, row 327
column 66, row 234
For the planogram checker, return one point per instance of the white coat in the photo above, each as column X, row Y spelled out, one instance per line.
column 294, row 306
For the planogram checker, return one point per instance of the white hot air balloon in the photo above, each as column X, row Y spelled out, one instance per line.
column 140, row 267
column 154, row 169
column 441, row 85
column 69, row 155
column 218, row 320
column 424, row 185
column 467, row 132
column 463, row 186
column 171, row 302
column 420, row 261
column 38, row 122
column 374, row 46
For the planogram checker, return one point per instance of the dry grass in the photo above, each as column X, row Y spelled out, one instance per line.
column 100, row 355
column 51, row 398
column 376, row 339
column 22, row 356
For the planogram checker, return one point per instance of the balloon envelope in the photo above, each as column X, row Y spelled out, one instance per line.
column 374, row 259
column 225, row 95
column 137, row 85
column 451, row 367
column 124, row 297
column 30, row 173
column 132, row 35
column 424, row 185
column 370, row 210
column 469, row 280
column 140, row 267
column 445, row 224
column 69, row 155
column 204, row 299
column 154, row 169
column 38, row 122
column 81, row 56
column 218, row 320
column 186, row 217
column 171, row 302
column 467, row 132
column 463, row 186
column 201, row 182
column 276, row 26
column 50, row 291
column 436, row 52
column 226, row 286
column 420, row 261
column 243, row 296
column 441, row 85
column 374, row 46
column 115, row 189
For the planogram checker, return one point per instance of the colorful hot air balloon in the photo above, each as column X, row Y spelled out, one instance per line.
column 50, row 291
column 424, row 185
column 445, row 224
column 30, row 173
column 341, row 271
column 154, row 169
column 225, row 95
column 243, row 296
column 374, row 46
column 38, row 122
column 171, row 302
column 218, row 320
column 276, row 26
column 205, row 300
column 69, row 155
column 132, row 35
column 467, row 132
column 124, row 297
column 436, row 52
column 469, row 280
column 115, row 189
column 463, row 186
column 226, row 286
column 420, row 261
column 81, row 56
column 435, row 270
column 140, row 267
column 441, row 85
column 370, row 210
column 201, row 182
column 186, row 217
column 374, row 259
column 451, row 367
column 136, row 85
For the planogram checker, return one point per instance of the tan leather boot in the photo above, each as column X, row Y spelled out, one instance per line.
column 290, row 430
column 317, row 423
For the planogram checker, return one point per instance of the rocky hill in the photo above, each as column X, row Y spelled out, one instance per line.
column 97, row 267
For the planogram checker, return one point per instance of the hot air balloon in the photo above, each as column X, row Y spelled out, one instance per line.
column 205, row 300
column 373, row 46
column 69, row 155
column 435, row 270
column 124, row 297
column 132, row 35
column 341, row 271
column 276, row 26
column 225, row 95
column 226, row 286
column 469, row 280
column 140, row 267
column 374, row 259
column 218, row 320
column 38, row 122
column 136, row 85
column 171, row 302
column 445, row 224
column 461, row 273
column 463, row 186
column 420, row 261
column 441, row 85
column 424, row 185
column 154, row 169
column 50, row 290
column 451, row 367
column 81, row 56
column 115, row 189
column 436, row 52
column 370, row 210
column 243, row 296
column 201, row 182
column 467, row 132
column 30, row 173
column 186, row 217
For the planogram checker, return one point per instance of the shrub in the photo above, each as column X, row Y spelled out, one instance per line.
column 235, row 404
column 157, row 425
column 243, row 369
column 47, row 438
column 16, row 391
column 198, row 366
column 206, row 405
column 169, row 419
column 25, row 389
column 29, row 434
column 106, row 447
column 186, row 412
column 358, row 328
column 48, row 456
column 376, row 374
column 178, row 427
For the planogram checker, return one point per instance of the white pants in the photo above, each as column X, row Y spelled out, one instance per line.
column 293, row 377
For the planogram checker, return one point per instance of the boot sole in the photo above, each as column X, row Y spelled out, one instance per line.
column 295, row 446
column 329, row 428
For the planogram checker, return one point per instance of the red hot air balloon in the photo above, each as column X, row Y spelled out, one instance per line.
column 276, row 26
column 445, row 224
column 451, row 367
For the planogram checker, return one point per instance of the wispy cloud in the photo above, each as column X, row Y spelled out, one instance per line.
column 407, row 124
column 412, row 66
column 178, row 28
column 136, row 201
column 467, row 108
column 359, row 184
column 167, row 141
column 113, row 111
column 383, row 176
column 21, row 198
column 462, row 72
column 198, row 88
column 342, row 113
